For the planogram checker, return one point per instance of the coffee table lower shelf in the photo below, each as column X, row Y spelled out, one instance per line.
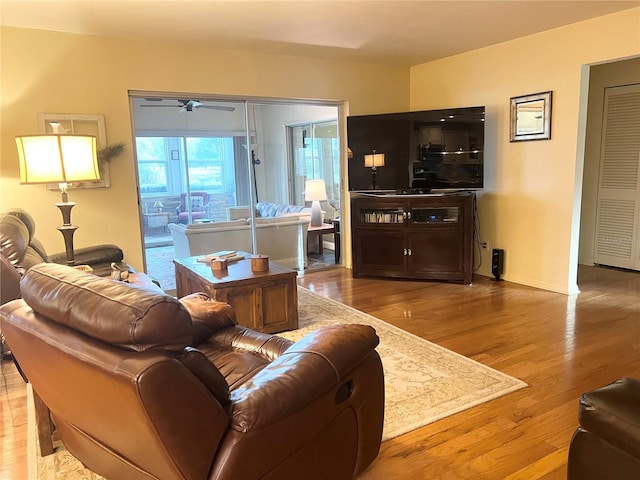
column 263, row 301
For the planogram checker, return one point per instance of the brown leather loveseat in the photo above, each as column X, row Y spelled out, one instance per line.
column 143, row 386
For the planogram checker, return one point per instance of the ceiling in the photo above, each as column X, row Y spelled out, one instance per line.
column 398, row 32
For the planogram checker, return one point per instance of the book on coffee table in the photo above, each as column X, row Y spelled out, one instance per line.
column 228, row 255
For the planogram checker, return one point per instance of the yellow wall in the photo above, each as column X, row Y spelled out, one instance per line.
column 530, row 206
column 66, row 73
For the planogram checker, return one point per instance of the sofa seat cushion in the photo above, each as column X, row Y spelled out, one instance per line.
column 139, row 319
column 240, row 353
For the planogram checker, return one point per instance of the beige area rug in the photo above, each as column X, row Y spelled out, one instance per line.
column 423, row 381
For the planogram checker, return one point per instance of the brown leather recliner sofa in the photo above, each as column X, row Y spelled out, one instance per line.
column 143, row 386
column 606, row 445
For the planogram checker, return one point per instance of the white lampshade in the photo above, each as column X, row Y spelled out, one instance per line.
column 57, row 158
column 374, row 160
column 315, row 190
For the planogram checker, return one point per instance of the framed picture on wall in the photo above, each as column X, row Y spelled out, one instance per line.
column 81, row 125
column 531, row 117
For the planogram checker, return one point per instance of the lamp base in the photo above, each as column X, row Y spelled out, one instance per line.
column 316, row 214
column 67, row 230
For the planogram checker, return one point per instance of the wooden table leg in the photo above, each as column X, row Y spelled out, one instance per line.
column 45, row 426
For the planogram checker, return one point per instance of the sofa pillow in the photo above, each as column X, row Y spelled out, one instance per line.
column 284, row 209
column 197, row 203
column 265, row 209
column 207, row 315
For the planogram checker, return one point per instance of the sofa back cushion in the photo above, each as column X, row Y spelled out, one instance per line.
column 268, row 209
column 240, row 222
column 120, row 314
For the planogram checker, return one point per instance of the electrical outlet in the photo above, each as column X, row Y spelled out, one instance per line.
column 485, row 245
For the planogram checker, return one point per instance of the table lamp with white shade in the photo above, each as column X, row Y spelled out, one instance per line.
column 373, row 161
column 315, row 191
column 63, row 159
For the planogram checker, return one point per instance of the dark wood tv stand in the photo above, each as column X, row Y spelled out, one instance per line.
column 427, row 237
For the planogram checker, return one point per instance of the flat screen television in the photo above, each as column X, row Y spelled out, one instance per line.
column 423, row 151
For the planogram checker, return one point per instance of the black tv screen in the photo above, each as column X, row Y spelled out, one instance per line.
column 423, row 151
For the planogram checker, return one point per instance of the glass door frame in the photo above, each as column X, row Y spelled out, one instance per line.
column 247, row 101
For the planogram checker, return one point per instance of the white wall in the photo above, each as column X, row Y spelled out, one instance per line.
column 533, row 189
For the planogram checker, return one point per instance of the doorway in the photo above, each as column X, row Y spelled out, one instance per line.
column 602, row 77
column 199, row 156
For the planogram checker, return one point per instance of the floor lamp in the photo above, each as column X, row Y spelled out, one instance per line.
column 315, row 191
column 62, row 159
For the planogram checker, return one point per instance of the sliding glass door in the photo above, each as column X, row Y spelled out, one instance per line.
column 315, row 151
column 208, row 164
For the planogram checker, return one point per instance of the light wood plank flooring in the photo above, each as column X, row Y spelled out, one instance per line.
column 561, row 346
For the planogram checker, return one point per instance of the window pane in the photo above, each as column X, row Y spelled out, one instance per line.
column 152, row 164
column 153, row 177
column 150, row 148
column 211, row 161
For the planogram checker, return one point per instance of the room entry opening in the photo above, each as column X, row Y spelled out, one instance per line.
column 206, row 161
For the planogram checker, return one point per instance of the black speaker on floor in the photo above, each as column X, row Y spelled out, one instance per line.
column 497, row 263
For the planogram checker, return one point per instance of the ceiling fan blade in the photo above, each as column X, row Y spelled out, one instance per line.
column 190, row 105
column 218, row 107
column 163, row 106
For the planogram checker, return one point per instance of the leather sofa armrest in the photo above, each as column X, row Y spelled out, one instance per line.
column 238, row 337
column 310, row 368
column 94, row 255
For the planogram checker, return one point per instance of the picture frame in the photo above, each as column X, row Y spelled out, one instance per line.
column 531, row 117
column 85, row 124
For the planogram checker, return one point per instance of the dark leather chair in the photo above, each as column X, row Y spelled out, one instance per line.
column 199, row 207
column 20, row 250
column 141, row 385
column 606, row 445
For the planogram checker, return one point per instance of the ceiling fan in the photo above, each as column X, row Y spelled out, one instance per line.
column 189, row 105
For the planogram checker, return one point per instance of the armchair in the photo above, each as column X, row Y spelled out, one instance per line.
column 606, row 445
column 155, row 387
column 199, row 207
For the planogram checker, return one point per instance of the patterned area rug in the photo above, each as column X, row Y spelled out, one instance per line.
column 423, row 381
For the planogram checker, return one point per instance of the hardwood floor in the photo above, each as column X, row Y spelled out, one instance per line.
column 560, row 345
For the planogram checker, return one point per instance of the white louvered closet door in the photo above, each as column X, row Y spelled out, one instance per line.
column 618, row 213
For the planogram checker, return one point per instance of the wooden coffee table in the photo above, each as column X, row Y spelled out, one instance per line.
column 264, row 301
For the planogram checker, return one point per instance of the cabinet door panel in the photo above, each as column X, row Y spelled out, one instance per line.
column 436, row 252
column 379, row 252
